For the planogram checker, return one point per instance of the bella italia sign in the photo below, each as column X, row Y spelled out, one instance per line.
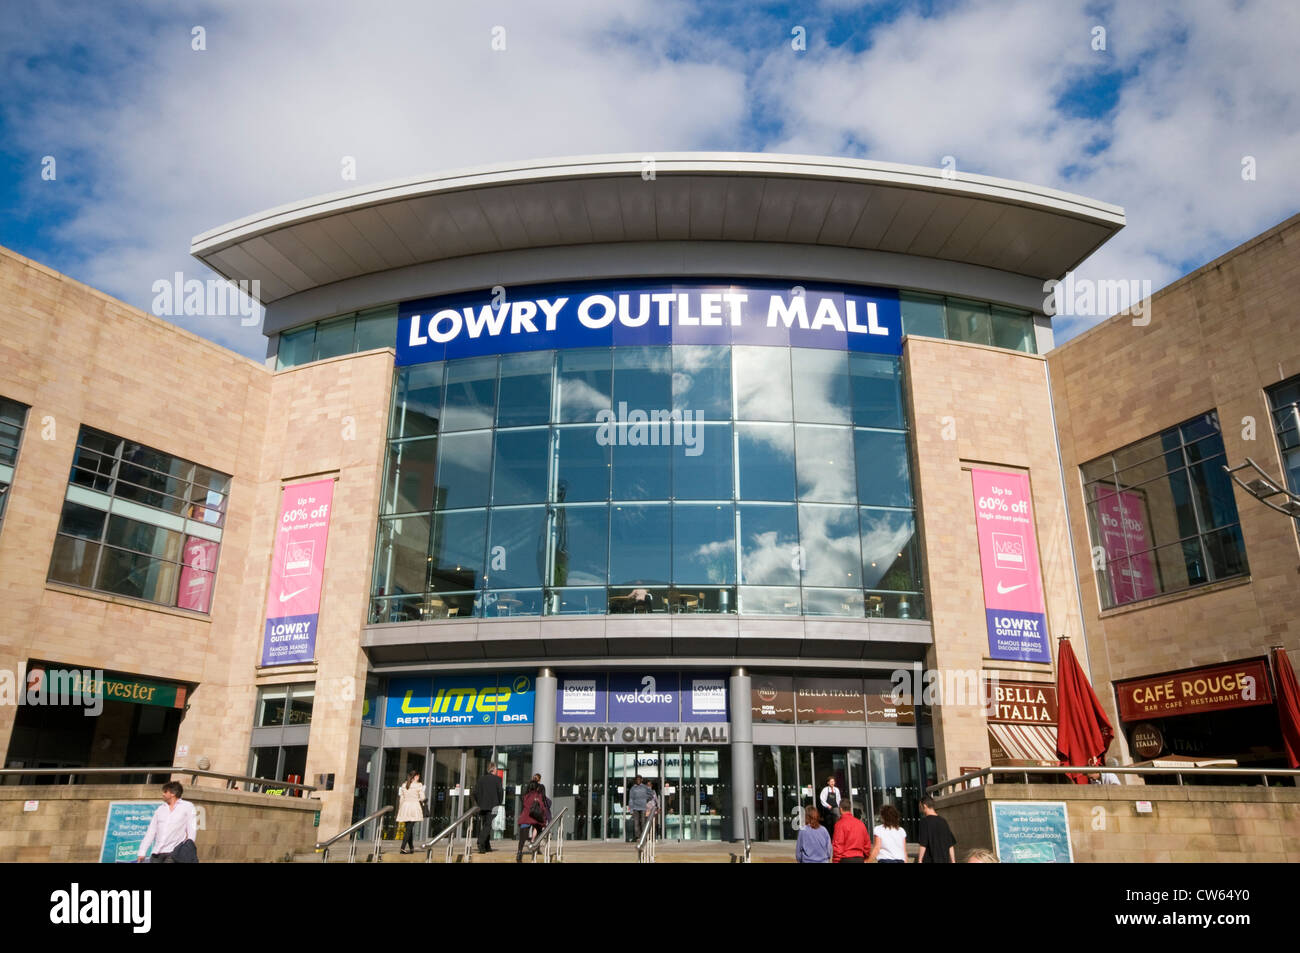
column 603, row 314
column 641, row 734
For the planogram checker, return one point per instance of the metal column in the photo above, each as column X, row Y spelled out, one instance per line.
column 742, row 754
column 544, row 728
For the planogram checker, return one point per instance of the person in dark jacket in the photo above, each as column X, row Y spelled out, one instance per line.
column 488, row 796
column 533, row 817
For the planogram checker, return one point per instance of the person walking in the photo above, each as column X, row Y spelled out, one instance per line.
column 813, row 845
column 934, row 837
column 410, row 798
column 637, row 799
column 890, row 845
column 533, row 817
column 830, row 806
column 488, row 796
column 850, row 843
column 171, row 830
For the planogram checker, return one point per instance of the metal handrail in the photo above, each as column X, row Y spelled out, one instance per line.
column 324, row 846
column 645, row 847
column 194, row 774
column 745, row 814
column 1160, row 770
column 450, row 828
column 546, row 836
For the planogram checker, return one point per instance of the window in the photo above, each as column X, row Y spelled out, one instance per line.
column 346, row 334
column 1161, row 514
column 1284, row 402
column 13, row 419
column 140, row 523
column 281, row 726
column 960, row 320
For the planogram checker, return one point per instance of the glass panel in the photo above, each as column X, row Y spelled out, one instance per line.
column 300, row 704
column 584, row 384
column 144, row 538
column 769, row 546
column 877, row 391
column 84, row 521
column 824, row 463
column 525, row 396
column 580, row 541
column 73, row 561
column 1198, row 427
column 642, row 472
column 151, row 498
column 417, row 404
column 131, row 574
column 702, row 381
column 589, row 601
column 457, row 551
column 835, row 602
column 969, row 321
column 821, row 386
column 639, row 545
column 402, row 556
column 377, row 328
column 896, row 605
column 1227, row 553
column 264, row 762
column 295, row 347
column 765, row 461
column 1013, row 329
column 886, row 782
column 884, row 477
column 471, row 402
column 890, row 557
column 1169, row 507
column 922, row 314
column 769, row 601
column 334, row 338
column 1213, row 486
column 643, row 380
column 464, row 470
column 761, row 377
column 704, row 544
column 702, row 461
column 517, row 557
column 582, row 464
column 409, row 481
column 507, row 603
column 521, row 466
column 828, row 537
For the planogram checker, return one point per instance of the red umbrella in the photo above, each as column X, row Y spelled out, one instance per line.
column 1288, row 705
column 1083, row 733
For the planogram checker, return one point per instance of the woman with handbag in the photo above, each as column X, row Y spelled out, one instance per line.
column 410, row 808
column 533, row 817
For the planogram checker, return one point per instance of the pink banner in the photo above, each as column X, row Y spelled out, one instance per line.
column 297, row 570
column 197, row 567
column 1123, row 518
column 1013, row 588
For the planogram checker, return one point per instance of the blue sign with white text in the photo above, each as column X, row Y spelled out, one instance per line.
column 421, row 702
column 604, row 314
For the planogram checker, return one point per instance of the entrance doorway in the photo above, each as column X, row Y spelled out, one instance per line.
column 449, row 776
column 692, row 785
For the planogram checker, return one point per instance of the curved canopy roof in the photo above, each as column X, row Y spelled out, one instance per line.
column 997, row 223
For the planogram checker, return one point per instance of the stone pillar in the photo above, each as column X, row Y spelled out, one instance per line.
column 544, row 729
column 742, row 754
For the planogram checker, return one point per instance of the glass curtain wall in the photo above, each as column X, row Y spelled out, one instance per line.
column 680, row 479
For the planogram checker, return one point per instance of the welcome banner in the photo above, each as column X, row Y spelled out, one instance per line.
column 1013, row 589
column 297, row 570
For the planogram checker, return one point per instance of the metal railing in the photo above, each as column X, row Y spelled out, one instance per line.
column 645, row 847
column 543, row 841
column 990, row 775
column 354, row 830
column 744, row 811
column 449, row 832
column 163, row 772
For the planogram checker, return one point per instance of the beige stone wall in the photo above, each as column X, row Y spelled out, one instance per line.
column 68, row 823
column 981, row 407
column 1215, row 340
column 1187, row 824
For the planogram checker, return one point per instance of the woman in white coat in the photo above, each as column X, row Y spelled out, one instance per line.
column 409, row 798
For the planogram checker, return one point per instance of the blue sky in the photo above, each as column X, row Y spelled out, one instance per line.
column 155, row 142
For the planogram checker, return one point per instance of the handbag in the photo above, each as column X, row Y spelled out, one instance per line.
column 185, row 853
column 537, row 812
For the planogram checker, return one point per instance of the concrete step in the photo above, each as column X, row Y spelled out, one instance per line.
column 575, row 852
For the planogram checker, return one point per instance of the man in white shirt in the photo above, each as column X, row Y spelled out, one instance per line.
column 173, row 823
column 830, row 806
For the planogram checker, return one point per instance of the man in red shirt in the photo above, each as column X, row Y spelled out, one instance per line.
column 851, row 843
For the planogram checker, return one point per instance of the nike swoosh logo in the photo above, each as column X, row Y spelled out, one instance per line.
column 1003, row 592
column 286, row 596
